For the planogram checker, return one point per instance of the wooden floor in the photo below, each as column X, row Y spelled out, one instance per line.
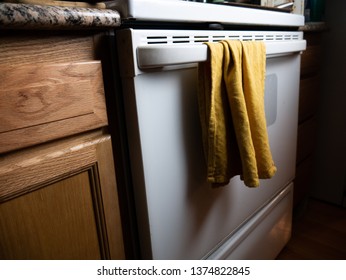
column 318, row 233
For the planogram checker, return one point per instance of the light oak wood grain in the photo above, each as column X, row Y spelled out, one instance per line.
column 55, row 222
column 34, row 95
column 58, row 192
column 41, row 47
column 59, row 201
column 27, row 169
column 51, row 87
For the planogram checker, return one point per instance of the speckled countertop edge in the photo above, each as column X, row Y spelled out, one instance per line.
column 54, row 17
column 314, row 27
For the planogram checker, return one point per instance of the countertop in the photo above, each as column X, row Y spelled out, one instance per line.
column 314, row 27
column 30, row 16
column 36, row 16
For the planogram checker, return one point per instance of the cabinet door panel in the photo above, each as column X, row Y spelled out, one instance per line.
column 54, row 222
column 59, row 201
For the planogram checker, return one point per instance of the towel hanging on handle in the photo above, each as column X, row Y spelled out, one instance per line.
column 231, row 102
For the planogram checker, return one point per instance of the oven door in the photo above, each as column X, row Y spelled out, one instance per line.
column 179, row 215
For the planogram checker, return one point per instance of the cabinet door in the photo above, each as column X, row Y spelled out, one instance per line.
column 59, row 201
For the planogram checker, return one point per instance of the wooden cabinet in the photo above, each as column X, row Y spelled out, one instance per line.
column 58, row 201
column 51, row 87
column 310, row 86
column 49, row 101
column 58, row 192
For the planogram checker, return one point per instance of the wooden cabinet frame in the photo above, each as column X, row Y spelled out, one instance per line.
column 33, row 171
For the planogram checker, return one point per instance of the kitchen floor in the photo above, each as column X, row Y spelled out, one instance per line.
column 318, row 233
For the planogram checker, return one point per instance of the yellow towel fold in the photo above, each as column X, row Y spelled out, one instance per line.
column 231, row 102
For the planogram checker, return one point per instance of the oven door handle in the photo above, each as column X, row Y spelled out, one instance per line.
column 155, row 56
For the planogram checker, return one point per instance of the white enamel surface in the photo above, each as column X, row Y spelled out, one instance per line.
column 156, row 48
column 161, row 56
column 180, row 215
column 183, row 11
column 262, row 237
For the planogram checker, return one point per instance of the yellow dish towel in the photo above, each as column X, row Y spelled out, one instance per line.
column 231, row 102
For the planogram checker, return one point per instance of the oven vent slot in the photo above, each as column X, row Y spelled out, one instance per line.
column 157, row 40
column 198, row 39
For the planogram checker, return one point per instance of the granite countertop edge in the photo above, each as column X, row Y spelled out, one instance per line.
column 28, row 16
column 314, row 27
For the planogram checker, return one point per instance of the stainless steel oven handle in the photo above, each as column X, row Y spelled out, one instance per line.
column 155, row 56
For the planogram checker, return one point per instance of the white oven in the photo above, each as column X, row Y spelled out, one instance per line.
column 178, row 214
